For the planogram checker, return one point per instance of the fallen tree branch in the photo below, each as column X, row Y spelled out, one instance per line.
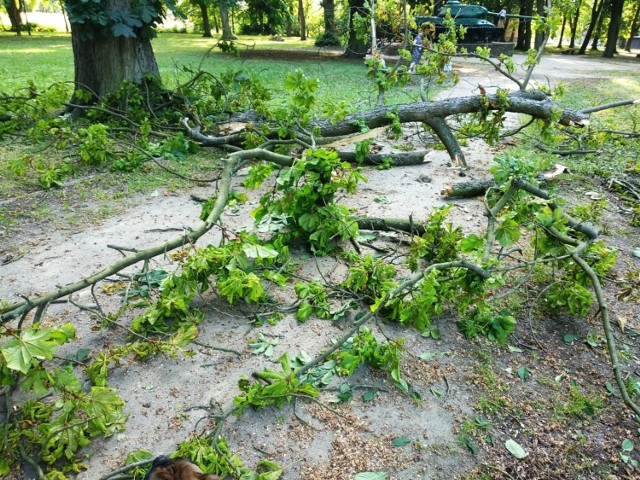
column 17, row 309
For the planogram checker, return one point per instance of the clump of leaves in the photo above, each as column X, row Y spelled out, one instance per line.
column 304, row 196
column 364, row 348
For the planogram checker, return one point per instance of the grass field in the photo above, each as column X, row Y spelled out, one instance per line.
column 48, row 58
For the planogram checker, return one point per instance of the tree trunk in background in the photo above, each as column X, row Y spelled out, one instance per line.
column 564, row 23
column 524, row 27
column 596, row 13
column 540, row 4
column 214, row 21
column 227, row 33
column 14, row 15
column 329, row 8
column 634, row 29
column 614, row 28
column 356, row 47
column 598, row 30
column 206, row 24
column 103, row 63
column 302, row 20
column 574, row 26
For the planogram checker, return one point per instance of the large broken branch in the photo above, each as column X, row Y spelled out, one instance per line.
column 191, row 236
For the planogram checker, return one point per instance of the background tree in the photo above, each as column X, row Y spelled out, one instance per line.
column 524, row 27
column 633, row 29
column 111, row 42
column 615, row 23
column 596, row 20
column 302, row 20
column 13, row 11
column 225, row 6
column 266, row 16
column 328, row 37
column 357, row 44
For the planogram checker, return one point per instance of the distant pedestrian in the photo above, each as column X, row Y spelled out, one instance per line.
column 502, row 17
column 416, row 53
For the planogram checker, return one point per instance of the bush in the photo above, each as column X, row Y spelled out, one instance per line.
column 328, row 40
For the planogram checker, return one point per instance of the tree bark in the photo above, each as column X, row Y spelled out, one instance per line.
column 614, row 28
column 470, row 189
column 227, row 33
column 398, row 159
column 302, row 20
column 540, row 36
column 13, row 11
column 524, row 27
column 534, row 104
column 596, row 13
column 356, row 47
column 206, row 24
column 102, row 63
column 574, row 26
column 329, row 8
column 564, row 23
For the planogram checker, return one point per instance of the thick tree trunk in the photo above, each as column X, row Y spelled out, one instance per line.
column 206, row 24
column 356, row 47
column 596, row 14
column 13, row 11
column 614, row 28
column 329, row 8
column 227, row 33
column 103, row 63
column 302, row 20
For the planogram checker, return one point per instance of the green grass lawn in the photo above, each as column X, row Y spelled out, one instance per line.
column 48, row 58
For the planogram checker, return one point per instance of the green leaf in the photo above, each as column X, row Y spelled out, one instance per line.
column 426, row 356
column 369, row 395
column 508, row 233
column 471, row 243
column 371, row 476
column 305, row 309
column 258, row 251
column 515, row 449
column 627, row 445
column 471, row 445
column 570, row 337
column 21, row 352
column 523, row 373
column 401, row 441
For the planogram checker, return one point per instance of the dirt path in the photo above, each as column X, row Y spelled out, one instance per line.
column 160, row 394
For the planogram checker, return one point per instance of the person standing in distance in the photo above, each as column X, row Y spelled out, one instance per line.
column 502, row 17
column 416, row 52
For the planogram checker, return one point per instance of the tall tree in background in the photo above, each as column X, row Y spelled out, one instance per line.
column 596, row 19
column 614, row 28
column 302, row 21
column 356, row 46
column 328, row 37
column 203, row 5
column 13, row 11
column 574, row 23
column 227, row 32
column 633, row 30
column 524, row 26
column 111, row 42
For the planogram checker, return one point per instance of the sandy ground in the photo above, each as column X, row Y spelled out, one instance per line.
column 161, row 395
